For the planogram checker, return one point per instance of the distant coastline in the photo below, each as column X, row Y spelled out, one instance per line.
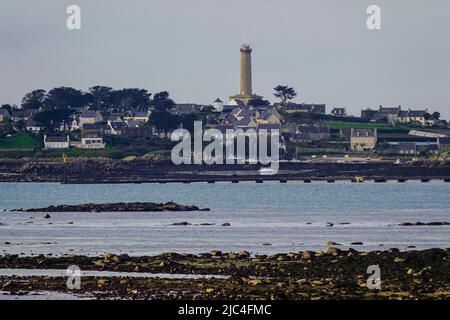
column 150, row 171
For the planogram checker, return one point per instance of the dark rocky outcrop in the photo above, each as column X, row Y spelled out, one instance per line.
column 116, row 207
column 434, row 223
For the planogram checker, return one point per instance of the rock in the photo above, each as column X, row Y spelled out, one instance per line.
column 216, row 253
column 231, row 256
column 307, row 255
column 254, row 282
column 399, row 260
column 124, row 258
column 332, row 251
column 433, row 223
column 181, row 224
column 117, row 207
column 357, row 243
column 46, row 216
column 243, row 255
column 331, row 243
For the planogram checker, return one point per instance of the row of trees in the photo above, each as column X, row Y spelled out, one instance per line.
column 99, row 98
column 104, row 98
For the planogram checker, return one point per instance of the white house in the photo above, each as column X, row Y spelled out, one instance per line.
column 91, row 140
column 56, row 142
column 218, row 105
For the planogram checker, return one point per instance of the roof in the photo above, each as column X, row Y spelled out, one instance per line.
column 313, row 129
column 390, row 110
column 412, row 113
column 56, row 138
column 31, row 123
column 363, row 133
column 269, row 127
column 118, row 125
column 406, row 146
column 90, row 114
column 95, row 126
column 22, row 113
column 133, row 123
column 140, row 114
column 218, row 100
column 91, row 135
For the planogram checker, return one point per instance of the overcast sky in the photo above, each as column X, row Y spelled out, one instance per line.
column 191, row 48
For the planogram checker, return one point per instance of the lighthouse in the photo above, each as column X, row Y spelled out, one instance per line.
column 245, row 94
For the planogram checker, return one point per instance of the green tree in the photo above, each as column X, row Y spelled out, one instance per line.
column 436, row 115
column 259, row 102
column 64, row 98
column 164, row 120
column 101, row 97
column 34, row 99
column 52, row 118
column 162, row 102
column 285, row 94
column 128, row 99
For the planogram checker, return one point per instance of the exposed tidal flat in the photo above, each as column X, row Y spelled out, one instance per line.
column 329, row 274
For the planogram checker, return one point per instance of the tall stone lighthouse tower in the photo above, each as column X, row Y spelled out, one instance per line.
column 245, row 93
column 246, row 70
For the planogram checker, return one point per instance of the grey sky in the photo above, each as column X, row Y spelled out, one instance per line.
column 191, row 48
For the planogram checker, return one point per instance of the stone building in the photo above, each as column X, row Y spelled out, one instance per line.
column 363, row 139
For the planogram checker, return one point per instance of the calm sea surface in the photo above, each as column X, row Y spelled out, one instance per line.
column 289, row 217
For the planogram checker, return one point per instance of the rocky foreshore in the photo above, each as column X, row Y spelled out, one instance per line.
column 116, row 207
column 97, row 170
column 328, row 274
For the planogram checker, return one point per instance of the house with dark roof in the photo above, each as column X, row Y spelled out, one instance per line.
column 90, row 117
column 91, row 140
column 117, row 128
column 315, row 132
column 339, row 112
column 363, row 139
column 22, row 114
column 56, row 142
column 407, row 148
column 186, row 108
column 413, row 116
column 33, row 126
column 140, row 116
column 303, row 107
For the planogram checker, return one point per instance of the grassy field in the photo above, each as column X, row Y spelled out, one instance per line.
column 362, row 125
column 19, row 141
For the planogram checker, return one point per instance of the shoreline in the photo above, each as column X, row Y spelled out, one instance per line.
column 104, row 171
column 328, row 274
